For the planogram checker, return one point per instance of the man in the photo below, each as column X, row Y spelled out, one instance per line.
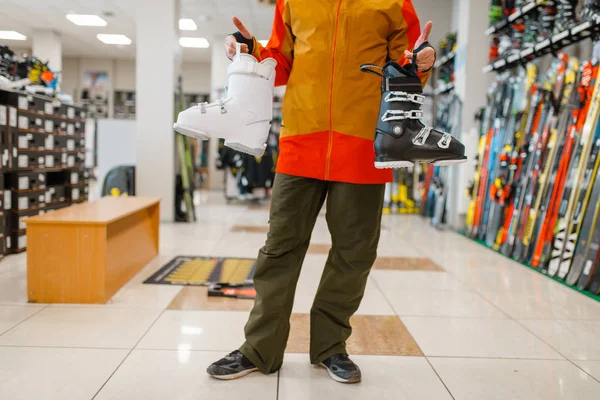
column 330, row 111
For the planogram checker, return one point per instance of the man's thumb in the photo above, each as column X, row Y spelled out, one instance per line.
column 424, row 34
column 242, row 28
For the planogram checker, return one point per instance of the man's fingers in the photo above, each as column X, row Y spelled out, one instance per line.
column 408, row 55
column 242, row 28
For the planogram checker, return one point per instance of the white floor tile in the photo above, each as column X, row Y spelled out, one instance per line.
column 11, row 316
column 442, row 303
column 494, row 379
column 180, row 375
column 240, row 244
column 470, row 337
column 197, row 330
column 397, row 378
column 140, row 295
column 591, row 367
column 391, row 281
column 576, row 340
column 28, row 373
column 563, row 303
column 90, row 327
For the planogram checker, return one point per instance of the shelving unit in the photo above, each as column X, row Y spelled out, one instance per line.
column 555, row 43
column 526, row 9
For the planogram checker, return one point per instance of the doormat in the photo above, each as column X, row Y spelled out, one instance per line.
column 204, row 271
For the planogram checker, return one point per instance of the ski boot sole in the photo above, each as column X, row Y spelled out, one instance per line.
column 409, row 164
column 187, row 131
column 246, row 149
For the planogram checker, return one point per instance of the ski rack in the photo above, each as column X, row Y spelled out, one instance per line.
column 557, row 42
column 526, row 9
column 448, row 57
column 444, row 88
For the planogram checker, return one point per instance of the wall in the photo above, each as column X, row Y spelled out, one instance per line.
column 196, row 76
column 440, row 13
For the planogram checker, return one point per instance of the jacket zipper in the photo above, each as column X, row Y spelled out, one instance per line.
column 330, row 142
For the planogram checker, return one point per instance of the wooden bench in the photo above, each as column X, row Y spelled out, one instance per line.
column 87, row 252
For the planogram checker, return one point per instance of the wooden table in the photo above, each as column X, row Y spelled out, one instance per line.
column 87, row 252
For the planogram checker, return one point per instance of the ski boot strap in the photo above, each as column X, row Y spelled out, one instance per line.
column 248, row 67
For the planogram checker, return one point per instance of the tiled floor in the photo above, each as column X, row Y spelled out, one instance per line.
column 442, row 318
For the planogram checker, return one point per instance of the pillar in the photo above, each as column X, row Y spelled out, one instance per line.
column 470, row 20
column 47, row 47
column 218, row 83
column 157, row 50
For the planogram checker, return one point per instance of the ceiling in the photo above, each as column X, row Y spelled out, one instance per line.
column 24, row 16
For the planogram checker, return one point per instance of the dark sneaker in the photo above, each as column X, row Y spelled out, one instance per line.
column 232, row 366
column 342, row 369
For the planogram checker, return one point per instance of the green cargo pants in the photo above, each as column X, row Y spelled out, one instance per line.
column 354, row 221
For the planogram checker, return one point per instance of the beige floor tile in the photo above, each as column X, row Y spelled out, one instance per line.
column 196, row 330
column 179, row 375
column 576, row 340
column 406, row 264
column 591, row 367
column 89, row 327
column 195, row 298
column 28, row 373
column 471, row 337
column 394, row 378
column 316, row 248
column 250, row 229
column 494, row 379
column 371, row 335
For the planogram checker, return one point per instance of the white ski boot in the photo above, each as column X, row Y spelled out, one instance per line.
column 244, row 117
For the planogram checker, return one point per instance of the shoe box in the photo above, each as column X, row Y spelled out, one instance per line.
column 77, row 176
column 28, row 199
column 20, row 181
column 77, row 193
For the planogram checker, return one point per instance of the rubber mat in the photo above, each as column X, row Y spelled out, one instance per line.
column 203, row 271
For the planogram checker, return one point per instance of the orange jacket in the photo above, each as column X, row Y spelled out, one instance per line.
column 330, row 108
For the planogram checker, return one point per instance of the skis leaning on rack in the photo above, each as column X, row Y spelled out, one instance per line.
column 535, row 195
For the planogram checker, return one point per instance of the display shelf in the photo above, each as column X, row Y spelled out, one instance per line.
column 539, row 270
column 526, row 9
column 444, row 60
column 444, row 88
column 557, row 42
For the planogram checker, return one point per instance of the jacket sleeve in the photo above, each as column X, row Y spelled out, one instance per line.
column 405, row 36
column 281, row 44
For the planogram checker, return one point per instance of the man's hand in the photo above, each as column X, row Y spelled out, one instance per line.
column 425, row 57
column 230, row 41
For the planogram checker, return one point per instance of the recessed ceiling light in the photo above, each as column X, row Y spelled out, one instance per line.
column 12, row 35
column 86, row 20
column 198, row 43
column 186, row 24
column 263, row 42
column 113, row 39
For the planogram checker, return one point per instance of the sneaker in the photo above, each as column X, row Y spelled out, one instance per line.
column 342, row 369
column 232, row 366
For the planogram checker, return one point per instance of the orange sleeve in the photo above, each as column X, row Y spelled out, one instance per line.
column 405, row 37
column 281, row 44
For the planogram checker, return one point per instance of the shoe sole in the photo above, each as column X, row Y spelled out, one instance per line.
column 233, row 376
column 245, row 149
column 337, row 378
column 187, row 131
column 408, row 164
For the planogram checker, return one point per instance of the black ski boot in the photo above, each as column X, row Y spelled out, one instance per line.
column 401, row 139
